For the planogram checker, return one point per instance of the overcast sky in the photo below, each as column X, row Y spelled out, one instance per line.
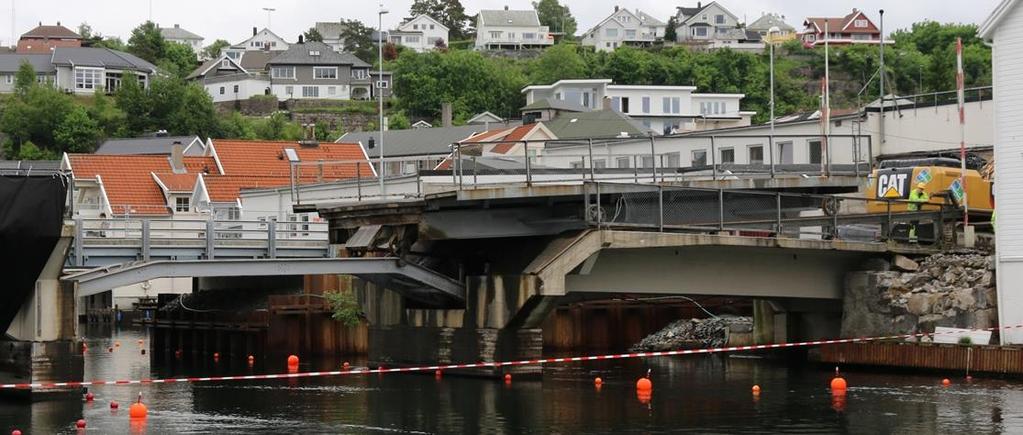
column 233, row 19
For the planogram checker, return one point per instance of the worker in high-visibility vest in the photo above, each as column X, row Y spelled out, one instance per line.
column 916, row 197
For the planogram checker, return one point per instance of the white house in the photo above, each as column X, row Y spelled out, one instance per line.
column 184, row 37
column 263, row 40
column 659, row 108
column 508, row 29
column 712, row 26
column 422, row 33
column 226, row 79
column 1004, row 28
column 624, row 27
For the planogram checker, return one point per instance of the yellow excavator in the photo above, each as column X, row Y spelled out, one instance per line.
column 895, row 179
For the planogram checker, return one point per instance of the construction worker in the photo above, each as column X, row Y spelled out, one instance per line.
column 916, row 197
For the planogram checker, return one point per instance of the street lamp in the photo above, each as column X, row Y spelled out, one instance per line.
column 380, row 96
column 770, row 41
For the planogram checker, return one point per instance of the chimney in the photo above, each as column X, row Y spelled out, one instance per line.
column 699, row 5
column 58, row 23
column 616, row 8
column 300, row 39
column 310, row 136
column 254, row 31
column 177, row 157
column 505, row 7
column 445, row 114
column 177, row 26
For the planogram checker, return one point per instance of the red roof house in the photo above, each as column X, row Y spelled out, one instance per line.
column 854, row 28
column 43, row 39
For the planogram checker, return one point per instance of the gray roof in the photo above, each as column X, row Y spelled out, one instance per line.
column 598, row 124
column 501, row 17
column 688, row 12
column 648, row 20
column 100, row 57
column 298, row 54
column 11, row 62
column 765, row 22
column 330, row 30
column 554, row 104
column 414, row 142
column 143, row 145
column 177, row 32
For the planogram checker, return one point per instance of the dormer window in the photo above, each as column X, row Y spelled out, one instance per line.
column 181, row 204
column 314, row 52
column 860, row 23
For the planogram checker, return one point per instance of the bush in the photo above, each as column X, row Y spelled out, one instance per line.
column 345, row 308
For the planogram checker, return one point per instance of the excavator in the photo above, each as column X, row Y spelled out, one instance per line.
column 895, row 179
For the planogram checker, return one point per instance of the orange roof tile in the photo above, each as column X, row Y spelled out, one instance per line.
column 177, row 182
column 516, row 134
column 268, row 159
column 128, row 179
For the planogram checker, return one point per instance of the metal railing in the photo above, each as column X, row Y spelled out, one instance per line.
column 102, row 242
column 667, row 159
column 767, row 214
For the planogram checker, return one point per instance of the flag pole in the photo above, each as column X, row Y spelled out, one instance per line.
column 826, row 114
column 961, row 97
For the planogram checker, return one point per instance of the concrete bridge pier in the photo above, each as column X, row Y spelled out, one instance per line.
column 41, row 342
column 500, row 322
column 784, row 321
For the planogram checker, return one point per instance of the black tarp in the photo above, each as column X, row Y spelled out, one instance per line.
column 31, row 215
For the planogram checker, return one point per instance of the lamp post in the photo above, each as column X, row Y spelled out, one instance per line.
column 770, row 41
column 380, row 96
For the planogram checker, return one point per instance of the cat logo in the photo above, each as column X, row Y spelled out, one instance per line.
column 893, row 184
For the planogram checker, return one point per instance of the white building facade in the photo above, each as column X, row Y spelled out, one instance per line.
column 1004, row 28
column 509, row 29
column 181, row 36
column 422, row 34
column 623, row 28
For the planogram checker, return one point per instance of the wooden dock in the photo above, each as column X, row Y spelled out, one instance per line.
column 1001, row 360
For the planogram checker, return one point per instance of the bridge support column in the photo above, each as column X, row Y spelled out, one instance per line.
column 41, row 343
column 500, row 322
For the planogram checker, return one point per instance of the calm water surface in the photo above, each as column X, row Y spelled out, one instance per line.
column 706, row 394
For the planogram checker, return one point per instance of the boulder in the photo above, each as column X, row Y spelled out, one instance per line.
column 904, row 263
column 919, row 304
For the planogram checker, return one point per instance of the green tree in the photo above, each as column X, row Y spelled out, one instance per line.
column 450, row 13
column 178, row 59
column 77, row 132
column 25, row 78
column 236, row 126
column 195, row 115
column 669, row 31
column 29, row 151
column 132, row 98
column 556, row 16
column 147, row 43
column 213, row 50
column 559, row 62
column 359, row 40
column 471, row 82
column 111, row 42
column 107, row 115
column 398, row 121
column 313, row 35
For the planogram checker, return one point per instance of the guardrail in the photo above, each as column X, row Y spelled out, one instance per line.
column 102, row 242
column 757, row 213
column 663, row 159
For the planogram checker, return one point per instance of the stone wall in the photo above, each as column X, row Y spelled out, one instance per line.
column 950, row 290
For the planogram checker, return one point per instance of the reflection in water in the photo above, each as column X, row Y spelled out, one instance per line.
column 700, row 394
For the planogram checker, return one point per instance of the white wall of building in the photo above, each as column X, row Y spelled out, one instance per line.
column 326, row 92
column 511, row 35
column 1007, row 57
column 241, row 89
column 933, row 128
column 431, row 30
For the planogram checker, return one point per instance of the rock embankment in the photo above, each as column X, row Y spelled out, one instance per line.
column 695, row 333
column 953, row 290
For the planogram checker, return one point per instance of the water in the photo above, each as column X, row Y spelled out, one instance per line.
column 705, row 394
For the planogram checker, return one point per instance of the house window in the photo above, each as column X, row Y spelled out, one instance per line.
column 495, row 35
column 756, row 154
column 625, row 105
column 699, row 31
column 325, row 72
column 586, row 99
column 282, row 72
column 236, row 89
column 311, row 91
column 360, row 74
column 415, row 27
column 616, row 104
column 699, row 158
column 860, row 23
column 622, row 162
column 599, row 163
column 724, row 108
column 431, row 26
column 648, row 162
column 511, row 35
column 529, row 36
column 646, row 104
column 225, row 63
column 624, row 18
column 8, row 79
column 607, row 44
column 727, row 155
column 181, row 204
column 611, row 33
column 861, row 36
column 411, row 39
column 719, row 19
column 88, row 78
column 331, row 90
column 289, row 90
column 673, row 160
column 676, row 105
column 666, row 105
column 630, row 33
column 816, row 152
column 221, row 90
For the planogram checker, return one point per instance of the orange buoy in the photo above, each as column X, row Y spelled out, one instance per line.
column 138, row 410
column 292, row 360
column 216, row 355
column 251, row 359
column 644, row 384
column 507, row 377
column 177, row 353
column 117, row 344
column 114, row 404
column 838, row 384
column 345, row 365
column 946, row 382
column 89, row 397
column 969, row 378
column 438, row 373
column 597, row 381
column 756, row 389
column 15, row 432
column 80, row 423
